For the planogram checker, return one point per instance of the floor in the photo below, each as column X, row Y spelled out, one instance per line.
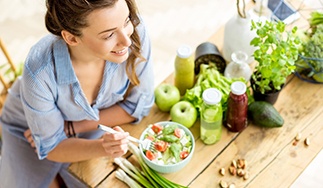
column 188, row 22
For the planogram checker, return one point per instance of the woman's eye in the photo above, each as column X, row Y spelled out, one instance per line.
column 106, row 38
column 127, row 21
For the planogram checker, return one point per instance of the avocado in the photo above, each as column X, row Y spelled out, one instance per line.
column 264, row 114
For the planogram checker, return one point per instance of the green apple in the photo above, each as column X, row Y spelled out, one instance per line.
column 184, row 113
column 166, row 95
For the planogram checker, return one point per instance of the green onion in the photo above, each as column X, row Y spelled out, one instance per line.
column 155, row 178
column 121, row 175
column 135, row 178
column 131, row 170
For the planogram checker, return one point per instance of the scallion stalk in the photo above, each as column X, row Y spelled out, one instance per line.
column 121, row 175
column 155, row 178
column 140, row 175
column 134, row 174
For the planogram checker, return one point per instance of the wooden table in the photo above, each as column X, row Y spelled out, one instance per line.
column 272, row 158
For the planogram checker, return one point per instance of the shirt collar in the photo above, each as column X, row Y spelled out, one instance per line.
column 63, row 65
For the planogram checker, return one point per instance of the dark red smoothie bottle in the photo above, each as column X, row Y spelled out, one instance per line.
column 236, row 117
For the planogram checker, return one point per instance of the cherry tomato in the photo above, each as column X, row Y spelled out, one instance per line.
column 156, row 128
column 178, row 133
column 149, row 137
column 183, row 154
column 161, row 145
column 150, row 155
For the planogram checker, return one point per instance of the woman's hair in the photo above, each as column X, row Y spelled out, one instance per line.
column 70, row 15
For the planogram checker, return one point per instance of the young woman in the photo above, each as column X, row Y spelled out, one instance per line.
column 94, row 68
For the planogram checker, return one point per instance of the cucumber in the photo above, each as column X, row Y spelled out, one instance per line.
column 264, row 114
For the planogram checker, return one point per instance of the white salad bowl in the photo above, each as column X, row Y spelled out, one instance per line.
column 168, row 168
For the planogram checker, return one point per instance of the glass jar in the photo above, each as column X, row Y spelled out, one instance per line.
column 184, row 69
column 211, row 116
column 238, row 67
column 236, row 116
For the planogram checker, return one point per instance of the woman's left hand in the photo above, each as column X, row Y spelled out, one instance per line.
column 29, row 138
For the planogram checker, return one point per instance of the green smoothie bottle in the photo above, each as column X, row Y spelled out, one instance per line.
column 211, row 116
column 184, row 69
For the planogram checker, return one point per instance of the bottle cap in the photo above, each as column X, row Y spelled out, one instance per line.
column 238, row 88
column 184, row 51
column 212, row 96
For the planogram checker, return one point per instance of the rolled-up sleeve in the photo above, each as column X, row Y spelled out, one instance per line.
column 43, row 117
column 141, row 97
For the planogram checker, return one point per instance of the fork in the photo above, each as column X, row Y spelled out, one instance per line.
column 146, row 144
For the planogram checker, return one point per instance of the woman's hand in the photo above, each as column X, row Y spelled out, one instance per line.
column 115, row 145
column 29, row 138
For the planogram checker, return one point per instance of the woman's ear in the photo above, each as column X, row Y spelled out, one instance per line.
column 69, row 38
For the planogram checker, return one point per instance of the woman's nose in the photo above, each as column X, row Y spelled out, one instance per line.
column 124, row 39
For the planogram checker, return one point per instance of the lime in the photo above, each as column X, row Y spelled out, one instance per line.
column 211, row 115
column 210, row 139
column 210, row 136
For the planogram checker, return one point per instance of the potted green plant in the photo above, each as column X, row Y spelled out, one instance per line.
column 275, row 54
column 309, row 66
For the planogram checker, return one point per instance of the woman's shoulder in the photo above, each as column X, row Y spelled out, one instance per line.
column 141, row 27
column 45, row 43
column 41, row 54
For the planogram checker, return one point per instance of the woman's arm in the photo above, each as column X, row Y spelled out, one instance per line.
column 112, row 116
column 76, row 149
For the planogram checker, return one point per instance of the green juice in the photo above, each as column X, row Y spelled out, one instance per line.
column 184, row 69
column 211, row 126
column 211, row 116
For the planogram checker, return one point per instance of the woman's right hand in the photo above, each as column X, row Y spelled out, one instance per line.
column 115, row 145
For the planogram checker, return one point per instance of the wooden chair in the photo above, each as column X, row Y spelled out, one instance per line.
column 6, row 83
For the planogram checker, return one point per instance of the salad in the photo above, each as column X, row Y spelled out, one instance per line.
column 170, row 144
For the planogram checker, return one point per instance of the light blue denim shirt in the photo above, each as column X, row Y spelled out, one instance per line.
column 49, row 93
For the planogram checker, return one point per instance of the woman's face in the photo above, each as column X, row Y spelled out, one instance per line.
column 108, row 34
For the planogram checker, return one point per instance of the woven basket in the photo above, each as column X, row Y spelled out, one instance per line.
column 305, row 70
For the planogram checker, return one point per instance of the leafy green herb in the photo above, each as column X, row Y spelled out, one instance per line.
column 315, row 19
column 276, row 53
column 176, row 148
column 167, row 155
column 9, row 72
column 169, row 138
column 310, row 62
column 169, row 129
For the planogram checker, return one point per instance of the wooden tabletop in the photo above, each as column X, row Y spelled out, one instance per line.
column 273, row 160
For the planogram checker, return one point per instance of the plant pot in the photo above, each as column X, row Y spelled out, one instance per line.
column 207, row 53
column 268, row 97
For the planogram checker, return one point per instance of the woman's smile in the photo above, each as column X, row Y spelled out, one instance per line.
column 120, row 52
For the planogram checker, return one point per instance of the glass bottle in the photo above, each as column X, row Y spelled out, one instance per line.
column 211, row 116
column 238, row 67
column 236, row 116
column 184, row 69
column 237, row 36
